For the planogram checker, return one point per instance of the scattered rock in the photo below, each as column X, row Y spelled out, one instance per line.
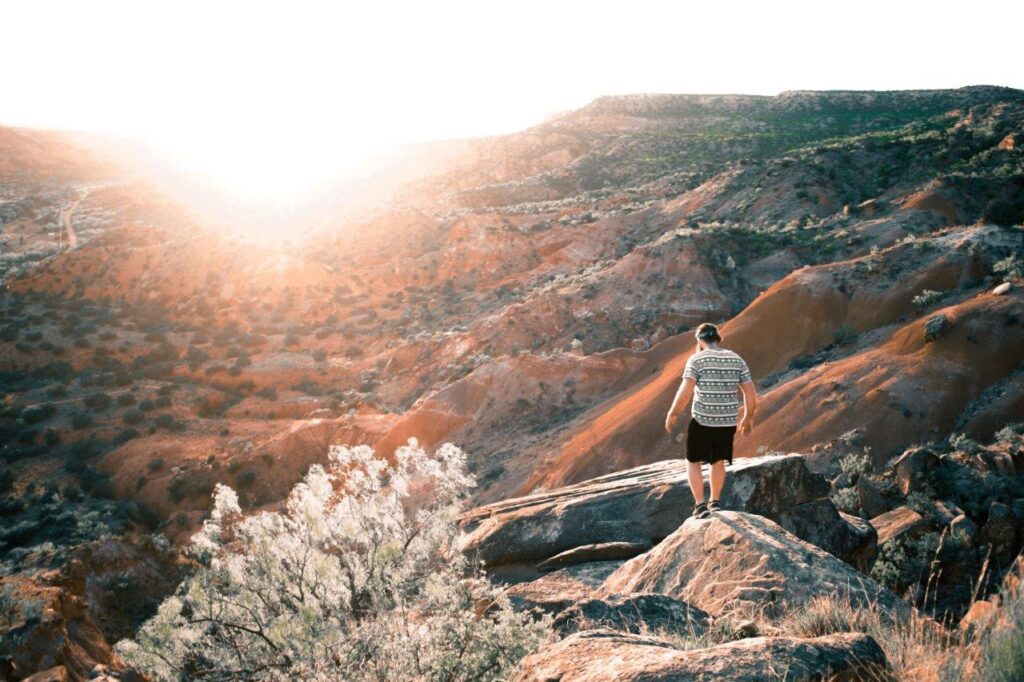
column 634, row 613
column 734, row 562
column 902, row 522
column 598, row 655
column 848, row 537
column 910, row 468
column 935, row 326
column 869, row 497
column 1000, row 531
column 603, row 551
column 642, row 505
column 1003, row 288
column 978, row 616
column 58, row 674
column 966, row 528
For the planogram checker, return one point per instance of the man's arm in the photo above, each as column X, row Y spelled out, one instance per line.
column 683, row 396
column 749, row 406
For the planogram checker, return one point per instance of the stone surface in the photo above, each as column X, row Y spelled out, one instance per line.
column 739, row 563
column 963, row 525
column 869, row 497
column 600, row 655
column 640, row 505
column 901, row 522
column 637, row 613
column 58, row 674
column 558, row 590
column 935, row 326
column 603, row 551
column 910, row 468
column 1000, row 531
column 979, row 615
column 821, row 524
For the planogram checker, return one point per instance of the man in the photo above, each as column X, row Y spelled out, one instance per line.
column 714, row 377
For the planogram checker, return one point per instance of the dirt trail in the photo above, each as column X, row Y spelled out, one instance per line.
column 65, row 217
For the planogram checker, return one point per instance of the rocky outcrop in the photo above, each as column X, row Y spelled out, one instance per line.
column 560, row 589
column 644, row 505
column 636, row 613
column 739, row 564
column 599, row 655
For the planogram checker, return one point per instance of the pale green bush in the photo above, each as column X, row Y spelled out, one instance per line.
column 357, row 577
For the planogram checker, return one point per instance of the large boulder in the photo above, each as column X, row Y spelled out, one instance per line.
column 644, row 505
column 911, row 467
column 599, row 655
column 636, row 613
column 843, row 535
column 742, row 564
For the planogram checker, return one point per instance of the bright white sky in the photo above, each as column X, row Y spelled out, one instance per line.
column 270, row 98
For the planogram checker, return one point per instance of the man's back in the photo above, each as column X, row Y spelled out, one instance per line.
column 718, row 373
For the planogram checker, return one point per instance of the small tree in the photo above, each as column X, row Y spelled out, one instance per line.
column 358, row 577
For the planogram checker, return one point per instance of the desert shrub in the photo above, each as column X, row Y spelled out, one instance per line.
column 123, row 436
column 319, row 355
column 843, row 335
column 132, row 415
column 845, row 499
column 156, row 464
column 358, row 577
column 34, row 414
column 166, row 421
column 126, row 399
column 927, row 297
column 1011, row 267
column 245, row 478
column 961, row 441
column 97, row 402
column 81, row 420
column 854, row 466
column 902, row 563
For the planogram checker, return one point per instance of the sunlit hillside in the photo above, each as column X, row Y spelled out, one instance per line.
column 530, row 298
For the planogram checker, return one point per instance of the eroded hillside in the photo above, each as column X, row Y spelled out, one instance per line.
column 528, row 297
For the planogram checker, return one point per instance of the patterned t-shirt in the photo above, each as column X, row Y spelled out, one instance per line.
column 718, row 373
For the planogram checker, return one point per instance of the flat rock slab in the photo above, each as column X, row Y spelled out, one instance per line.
column 642, row 505
column 605, row 655
column 635, row 613
column 604, row 551
column 899, row 523
column 737, row 563
column 561, row 589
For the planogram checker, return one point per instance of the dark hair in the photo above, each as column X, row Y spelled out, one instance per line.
column 708, row 332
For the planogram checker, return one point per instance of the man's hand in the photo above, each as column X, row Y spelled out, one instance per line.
column 745, row 426
column 670, row 422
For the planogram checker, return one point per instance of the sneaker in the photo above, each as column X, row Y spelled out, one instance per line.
column 700, row 511
column 714, row 506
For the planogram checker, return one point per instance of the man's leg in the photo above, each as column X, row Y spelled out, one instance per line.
column 696, row 481
column 717, row 479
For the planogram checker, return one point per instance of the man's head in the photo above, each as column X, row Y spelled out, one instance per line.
column 707, row 334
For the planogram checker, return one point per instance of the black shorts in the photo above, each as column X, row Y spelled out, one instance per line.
column 708, row 443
